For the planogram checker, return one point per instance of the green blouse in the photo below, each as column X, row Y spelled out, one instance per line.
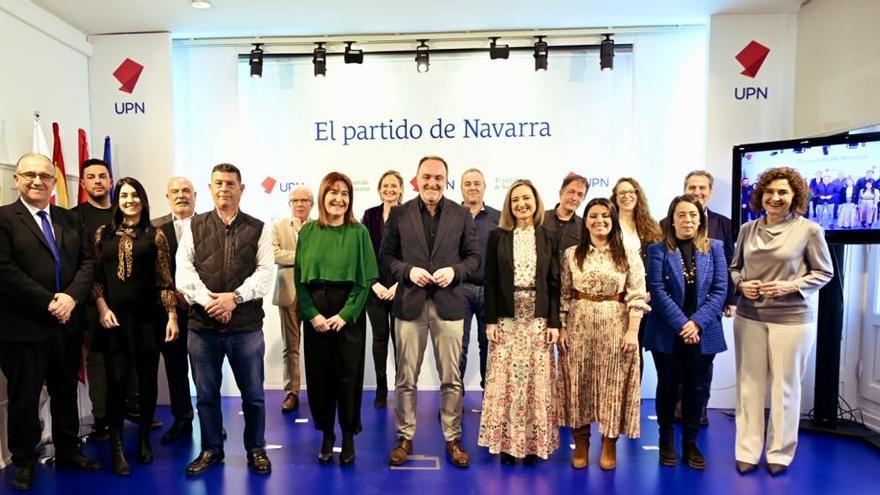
column 330, row 255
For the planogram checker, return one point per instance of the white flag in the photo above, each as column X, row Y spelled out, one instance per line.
column 40, row 145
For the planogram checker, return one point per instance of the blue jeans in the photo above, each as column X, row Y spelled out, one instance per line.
column 245, row 353
column 474, row 306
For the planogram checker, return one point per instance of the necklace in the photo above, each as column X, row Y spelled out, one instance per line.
column 689, row 270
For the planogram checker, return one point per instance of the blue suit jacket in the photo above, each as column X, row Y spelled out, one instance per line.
column 666, row 285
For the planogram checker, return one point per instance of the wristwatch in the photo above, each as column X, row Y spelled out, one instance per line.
column 237, row 297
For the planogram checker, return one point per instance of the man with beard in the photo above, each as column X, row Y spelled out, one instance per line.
column 430, row 248
column 181, row 197
column 96, row 211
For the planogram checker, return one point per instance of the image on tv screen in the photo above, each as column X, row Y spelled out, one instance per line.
column 843, row 182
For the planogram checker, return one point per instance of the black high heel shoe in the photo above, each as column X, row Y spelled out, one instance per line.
column 346, row 457
column 507, row 459
column 325, row 456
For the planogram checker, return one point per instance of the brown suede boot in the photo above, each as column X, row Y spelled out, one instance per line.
column 609, row 453
column 581, row 456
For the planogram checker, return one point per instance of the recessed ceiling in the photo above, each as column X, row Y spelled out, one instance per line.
column 299, row 18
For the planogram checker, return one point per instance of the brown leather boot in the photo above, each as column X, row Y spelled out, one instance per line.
column 581, row 456
column 609, row 453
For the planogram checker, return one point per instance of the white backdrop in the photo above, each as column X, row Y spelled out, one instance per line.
column 645, row 118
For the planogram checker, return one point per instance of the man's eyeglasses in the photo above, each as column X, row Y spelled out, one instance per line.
column 32, row 176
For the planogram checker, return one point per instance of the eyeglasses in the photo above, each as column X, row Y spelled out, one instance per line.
column 297, row 201
column 630, row 192
column 32, row 176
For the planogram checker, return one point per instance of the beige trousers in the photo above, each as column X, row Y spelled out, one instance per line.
column 775, row 357
column 412, row 338
column 290, row 336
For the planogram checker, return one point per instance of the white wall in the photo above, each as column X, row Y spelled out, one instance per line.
column 838, row 67
column 45, row 68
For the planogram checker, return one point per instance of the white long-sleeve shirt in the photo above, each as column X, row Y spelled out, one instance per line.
column 255, row 286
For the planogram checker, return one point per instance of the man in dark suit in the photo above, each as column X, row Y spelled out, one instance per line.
column 181, row 197
column 45, row 274
column 430, row 248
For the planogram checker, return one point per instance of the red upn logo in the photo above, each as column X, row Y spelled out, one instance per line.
column 128, row 74
column 752, row 57
column 268, row 184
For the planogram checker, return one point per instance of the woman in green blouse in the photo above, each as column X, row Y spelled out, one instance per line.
column 335, row 267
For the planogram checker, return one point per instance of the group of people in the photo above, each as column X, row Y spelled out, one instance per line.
column 564, row 304
column 843, row 202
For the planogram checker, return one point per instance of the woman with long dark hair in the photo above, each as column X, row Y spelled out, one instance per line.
column 383, row 290
column 133, row 283
column 602, row 301
column 687, row 279
column 335, row 268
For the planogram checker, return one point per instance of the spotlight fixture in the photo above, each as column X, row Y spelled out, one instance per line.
column 257, row 61
column 498, row 51
column 353, row 56
column 319, row 59
column 200, row 4
column 422, row 57
column 540, row 54
column 606, row 53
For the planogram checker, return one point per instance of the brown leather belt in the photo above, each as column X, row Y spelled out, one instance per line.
column 597, row 298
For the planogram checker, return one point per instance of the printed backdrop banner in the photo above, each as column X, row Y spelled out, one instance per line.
column 291, row 128
column 131, row 101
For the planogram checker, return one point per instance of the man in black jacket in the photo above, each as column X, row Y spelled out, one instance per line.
column 430, row 248
column 181, row 197
column 45, row 274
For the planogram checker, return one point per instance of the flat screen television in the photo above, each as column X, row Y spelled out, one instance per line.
column 843, row 174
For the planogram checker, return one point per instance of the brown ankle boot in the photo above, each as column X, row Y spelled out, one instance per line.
column 581, row 456
column 609, row 453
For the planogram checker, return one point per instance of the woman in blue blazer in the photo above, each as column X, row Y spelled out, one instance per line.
column 687, row 279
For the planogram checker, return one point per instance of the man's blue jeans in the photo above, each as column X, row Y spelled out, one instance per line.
column 245, row 350
column 474, row 306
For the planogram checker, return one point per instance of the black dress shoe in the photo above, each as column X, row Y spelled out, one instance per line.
column 24, row 477
column 259, row 462
column 381, row 399
column 77, row 460
column 145, row 450
column 326, row 453
column 531, row 460
column 346, row 457
column 776, row 469
column 100, row 431
column 507, row 459
column 179, row 428
column 745, row 467
column 204, row 462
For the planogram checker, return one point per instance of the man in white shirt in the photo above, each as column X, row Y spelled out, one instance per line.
column 224, row 268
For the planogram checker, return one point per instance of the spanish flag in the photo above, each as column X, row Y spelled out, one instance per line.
column 59, row 194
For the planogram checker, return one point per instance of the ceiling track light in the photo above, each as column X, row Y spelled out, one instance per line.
column 319, row 60
column 200, row 4
column 422, row 57
column 540, row 54
column 497, row 51
column 256, row 61
column 353, row 56
column 606, row 53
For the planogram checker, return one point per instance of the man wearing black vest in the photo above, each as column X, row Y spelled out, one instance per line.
column 224, row 268
column 182, row 200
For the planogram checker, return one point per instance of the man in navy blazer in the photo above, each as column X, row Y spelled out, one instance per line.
column 45, row 274
column 430, row 248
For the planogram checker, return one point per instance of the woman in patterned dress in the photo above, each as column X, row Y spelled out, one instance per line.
column 519, row 418
column 601, row 305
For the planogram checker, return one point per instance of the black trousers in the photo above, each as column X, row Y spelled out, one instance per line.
column 177, row 371
column 382, row 323
column 26, row 365
column 119, row 364
column 688, row 366
column 334, row 364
